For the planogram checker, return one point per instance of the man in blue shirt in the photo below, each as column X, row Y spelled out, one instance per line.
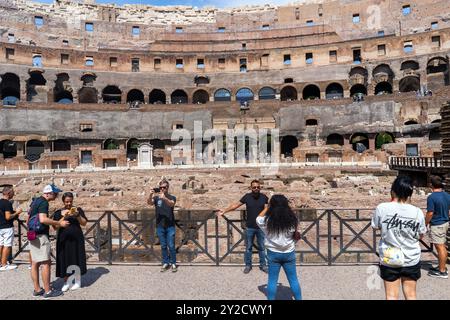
column 438, row 206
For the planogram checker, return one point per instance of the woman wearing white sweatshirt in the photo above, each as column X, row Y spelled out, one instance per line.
column 278, row 222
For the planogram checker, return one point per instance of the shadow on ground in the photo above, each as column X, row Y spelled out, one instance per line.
column 283, row 293
column 91, row 276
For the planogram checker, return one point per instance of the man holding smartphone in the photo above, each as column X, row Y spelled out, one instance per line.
column 165, row 224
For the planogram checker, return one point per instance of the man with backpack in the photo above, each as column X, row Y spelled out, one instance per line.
column 38, row 234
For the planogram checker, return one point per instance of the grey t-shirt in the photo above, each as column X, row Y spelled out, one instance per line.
column 401, row 225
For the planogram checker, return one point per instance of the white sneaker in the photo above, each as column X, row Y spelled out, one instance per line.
column 29, row 267
column 65, row 287
column 76, row 286
column 8, row 267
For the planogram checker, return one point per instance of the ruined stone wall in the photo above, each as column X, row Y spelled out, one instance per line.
column 262, row 35
column 320, row 76
column 48, row 123
column 262, row 53
column 336, row 13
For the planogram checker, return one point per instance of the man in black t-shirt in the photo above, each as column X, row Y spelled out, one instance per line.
column 255, row 202
column 165, row 224
column 7, row 217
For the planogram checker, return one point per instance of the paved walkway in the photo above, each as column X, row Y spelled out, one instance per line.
column 200, row 282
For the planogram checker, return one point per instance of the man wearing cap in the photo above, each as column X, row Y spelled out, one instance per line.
column 40, row 247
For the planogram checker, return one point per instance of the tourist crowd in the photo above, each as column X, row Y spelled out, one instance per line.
column 271, row 221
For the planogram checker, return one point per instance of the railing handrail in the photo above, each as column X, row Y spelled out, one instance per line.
column 327, row 235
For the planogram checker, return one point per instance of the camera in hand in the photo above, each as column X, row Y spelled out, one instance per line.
column 157, row 190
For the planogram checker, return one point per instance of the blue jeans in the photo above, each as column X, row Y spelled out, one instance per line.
column 250, row 234
column 287, row 261
column 167, row 239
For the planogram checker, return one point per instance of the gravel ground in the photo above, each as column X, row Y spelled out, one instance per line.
column 222, row 283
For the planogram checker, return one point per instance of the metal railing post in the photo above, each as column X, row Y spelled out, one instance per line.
column 329, row 237
column 217, row 240
column 110, row 254
column 19, row 231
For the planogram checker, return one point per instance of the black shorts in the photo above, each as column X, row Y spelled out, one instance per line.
column 391, row 274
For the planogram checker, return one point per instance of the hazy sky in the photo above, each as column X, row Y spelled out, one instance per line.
column 194, row 3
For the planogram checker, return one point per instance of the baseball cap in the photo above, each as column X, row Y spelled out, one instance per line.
column 51, row 188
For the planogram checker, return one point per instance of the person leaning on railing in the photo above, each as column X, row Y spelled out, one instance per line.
column 255, row 201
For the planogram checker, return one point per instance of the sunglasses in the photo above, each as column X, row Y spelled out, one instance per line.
column 163, row 187
column 256, row 187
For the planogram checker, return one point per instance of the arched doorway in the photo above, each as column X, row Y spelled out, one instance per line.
column 110, row 144
column 179, row 97
column 64, row 97
column 10, row 89
column 112, row 94
column 334, row 91
column 34, row 149
column 288, row 93
column 200, row 97
column 335, row 138
column 358, row 89
column 360, row 142
column 8, row 148
column 36, row 90
column 383, row 88
column 88, row 95
column 288, row 144
column 311, row 92
column 222, row 95
column 244, row 95
column 132, row 149
column 409, row 83
column 267, row 93
column 383, row 138
column 435, row 133
column 135, row 95
column 437, row 73
column 157, row 97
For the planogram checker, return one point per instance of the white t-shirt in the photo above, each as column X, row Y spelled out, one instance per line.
column 401, row 225
column 283, row 243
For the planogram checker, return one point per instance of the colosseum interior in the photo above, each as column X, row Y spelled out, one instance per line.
column 86, row 87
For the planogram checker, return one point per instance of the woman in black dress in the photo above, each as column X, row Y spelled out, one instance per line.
column 70, row 249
